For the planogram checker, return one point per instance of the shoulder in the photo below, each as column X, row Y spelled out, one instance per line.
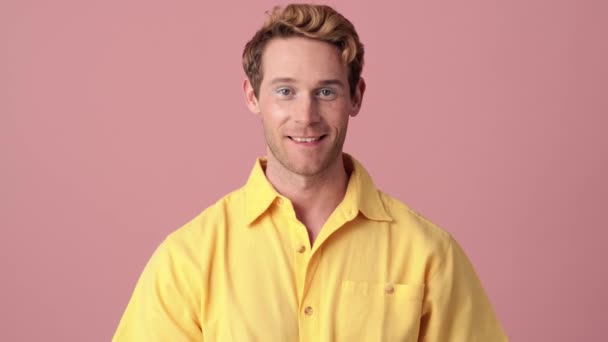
column 211, row 223
column 414, row 226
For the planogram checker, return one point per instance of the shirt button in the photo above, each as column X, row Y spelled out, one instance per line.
column 280, row 201
column 389, row 289
column 308, row 310
column 301, row 249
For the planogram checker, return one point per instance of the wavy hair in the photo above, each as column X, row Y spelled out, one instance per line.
column 319, row 22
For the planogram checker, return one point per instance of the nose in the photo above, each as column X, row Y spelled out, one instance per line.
column 306, row 110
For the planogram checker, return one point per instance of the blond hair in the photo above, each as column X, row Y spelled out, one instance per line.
column 317, row 22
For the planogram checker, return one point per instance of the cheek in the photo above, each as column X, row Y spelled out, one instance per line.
column 337, row 115
column 273, row 115
column 277, row 111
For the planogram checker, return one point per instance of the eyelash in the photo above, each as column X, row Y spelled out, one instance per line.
column 281, row 91
column 331, row 92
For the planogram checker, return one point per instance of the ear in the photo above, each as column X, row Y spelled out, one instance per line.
column 357, row 98
column 250, row 98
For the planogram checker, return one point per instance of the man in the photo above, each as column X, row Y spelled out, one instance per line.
column 308, row 249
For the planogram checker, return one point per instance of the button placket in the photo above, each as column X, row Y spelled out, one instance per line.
column 301, row 248
column 308, row 323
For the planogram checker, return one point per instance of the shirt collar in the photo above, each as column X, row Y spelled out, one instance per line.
column 259, row 193
column 361, row 193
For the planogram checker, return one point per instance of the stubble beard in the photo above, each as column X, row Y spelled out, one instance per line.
column 281, row 155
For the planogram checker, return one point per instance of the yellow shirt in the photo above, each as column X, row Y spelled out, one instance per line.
column 244, row 270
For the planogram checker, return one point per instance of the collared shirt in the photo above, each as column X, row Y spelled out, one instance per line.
column 244, row 270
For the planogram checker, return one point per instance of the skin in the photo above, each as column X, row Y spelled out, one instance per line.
column 305, row 93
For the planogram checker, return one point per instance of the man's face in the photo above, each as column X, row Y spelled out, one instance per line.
column 304, row 103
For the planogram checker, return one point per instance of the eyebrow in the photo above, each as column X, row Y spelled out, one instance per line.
column 282, row 80
column 332, row 82
column 336, row 82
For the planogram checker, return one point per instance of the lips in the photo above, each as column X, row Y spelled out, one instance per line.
column 306, row 139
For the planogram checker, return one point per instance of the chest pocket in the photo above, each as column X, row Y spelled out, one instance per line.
column 375, row 312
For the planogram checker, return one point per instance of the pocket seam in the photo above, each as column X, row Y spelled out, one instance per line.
column 409, row 291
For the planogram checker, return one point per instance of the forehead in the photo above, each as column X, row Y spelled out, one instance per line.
column 302, row 59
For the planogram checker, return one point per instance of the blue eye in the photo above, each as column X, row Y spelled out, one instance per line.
column 327, row 93
column 284, row 91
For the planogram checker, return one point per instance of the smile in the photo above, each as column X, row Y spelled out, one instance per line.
column 306, row 139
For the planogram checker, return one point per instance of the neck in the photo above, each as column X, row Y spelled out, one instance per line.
column 314, row 197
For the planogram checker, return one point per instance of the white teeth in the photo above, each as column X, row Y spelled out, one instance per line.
column 305, row 139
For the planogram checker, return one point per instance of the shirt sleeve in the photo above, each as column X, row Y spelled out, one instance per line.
column 165, row 304
column 456, row 308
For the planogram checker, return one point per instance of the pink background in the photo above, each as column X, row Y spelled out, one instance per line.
column 121, row 120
